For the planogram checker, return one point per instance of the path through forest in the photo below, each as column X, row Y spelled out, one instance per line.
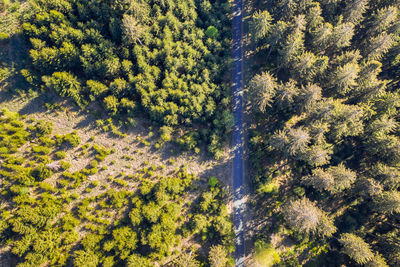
column 238, row 134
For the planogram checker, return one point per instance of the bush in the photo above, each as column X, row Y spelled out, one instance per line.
column 65, row 165
column 268, row 188
column 4, row 4
column 65, row 84
column 4, row 74
column 41, row 172
column 120, row 182
column 19, row 190
column 41, row 150
column 43, row 128
column 96, row 88
column 102, row 152
column 84, row 258
column 4, row 36
column 61, row 154
column 111, row 104
column 47, row 141
column 212, row 32
column 72, row 139
column 166, row 132
column 94, row 164
column 265, row 254
column 213, row 181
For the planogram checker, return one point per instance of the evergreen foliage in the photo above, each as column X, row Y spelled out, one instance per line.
column 161, row 59
column 325, row 98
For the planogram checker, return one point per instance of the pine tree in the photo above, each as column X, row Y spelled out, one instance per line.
column 132, row 30
column 306, row 66
column 341, row 36
column 354, row 11
column 286, row 94
column 307, row 218
column 314, row 17
column 261, row 24
column 218, row 256
column 356, row 248
column 321, row 37
column 320, row 180
column 377, row 261
column 382, row 20
column 343, row 79
column 388, row 176
column 298, row 141
column 308, row 97
column 186, row 260
column 294, row 43
column 378, row 46
column 262, row 89
column 342, row 176
column 388, row 202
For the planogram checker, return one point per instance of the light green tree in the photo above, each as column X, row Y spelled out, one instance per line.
column 261, row 24
column 262, row 89
column 356, row 248
column 218, row 256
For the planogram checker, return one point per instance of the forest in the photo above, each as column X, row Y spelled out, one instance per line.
column 116, row 125
column 325, row 150
column 147, row 79
column 164, row 60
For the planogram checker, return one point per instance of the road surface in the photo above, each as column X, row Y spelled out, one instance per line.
column 238, row 134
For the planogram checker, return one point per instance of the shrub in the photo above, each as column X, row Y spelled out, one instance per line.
column 212, row 32
column 65, row 165
column 218, row 256
column 47, row 141
column 65, row 84
column 43, row 127
column 41, row 172
column 4, row 74
column 19, row 190
column 41, row 150
column 166, row 132
column 4, row 36
column 265, row 254
column 61, row 154
column 96, row 88
column 47, row 187
column 72, row 139
column 135, row 260
column 102, row 152
column 94, row 163
column 111, row 104
column 86, row 258
column 213, row 181
column 268, row 188
column 188, row 141
column 120, row 182
column 4, row 4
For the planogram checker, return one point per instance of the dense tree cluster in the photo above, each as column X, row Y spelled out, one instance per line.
column 48, row 221
column 326, row 107
column 166, row 58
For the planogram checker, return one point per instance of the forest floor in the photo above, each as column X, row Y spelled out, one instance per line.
column 67, row 120
column 132, row 153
